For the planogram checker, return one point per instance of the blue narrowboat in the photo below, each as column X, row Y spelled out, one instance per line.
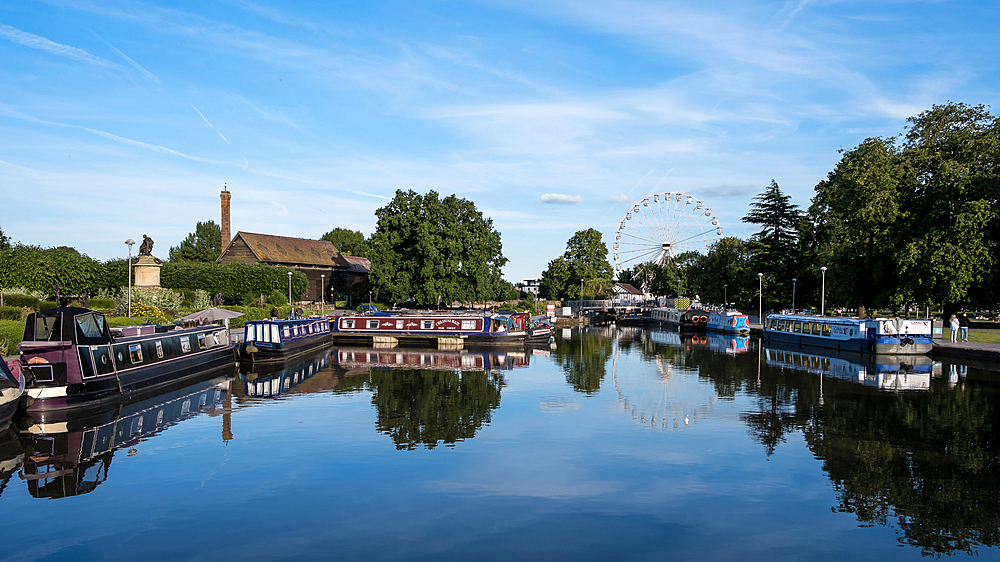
column 279, row 339
column 899, row 336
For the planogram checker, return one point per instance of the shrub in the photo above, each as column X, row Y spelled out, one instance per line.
column 277, row 298
column 102, row 304
column 45, row 305
column 10, row 334
column 12, row 313
column 20, row 301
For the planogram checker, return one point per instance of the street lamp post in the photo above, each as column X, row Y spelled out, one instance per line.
column 793, row 295
column 725, row 296
column 678, row 287
column 822, row 298
column 129, row 242
column 581, row 292
column 760, row 298
column 290, row 289
column 322, row 294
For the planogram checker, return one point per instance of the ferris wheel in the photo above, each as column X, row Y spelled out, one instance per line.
column 663, row 226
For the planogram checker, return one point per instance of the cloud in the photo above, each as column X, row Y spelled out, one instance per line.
column 134, row 64
column 728, row 191
column 619, row 199
column 560, row 199
column 43, row 44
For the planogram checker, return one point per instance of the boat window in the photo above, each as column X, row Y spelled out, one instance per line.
column 186, row 407
column 250, row 331
column 215, row 336
column 202, row 400
column 286, row 332
column 779, row 325
column 827, row 329
column 136, row 425
column 159, row 417
column 260, row 332
column 816, row 328
column 428, row 324
column 349, row 323
column 797, row 328
column 185, row 344
column 468, row 324
column 91, row 325
column 44, row 326
column 275, row 337
column 788, row 325
column 159, row 349
column 399, row 324
column 373, row 324
column 201, row 341
column 135, row 353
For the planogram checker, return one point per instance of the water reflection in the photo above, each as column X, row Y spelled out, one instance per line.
column 69, row 453
column 584, row 358
column 886, row 372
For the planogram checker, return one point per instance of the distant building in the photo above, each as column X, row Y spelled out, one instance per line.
column 314, row 258
column 623, row 292
column 530, row 286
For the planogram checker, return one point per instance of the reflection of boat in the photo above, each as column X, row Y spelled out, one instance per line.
column 402, row 358
column 683, row 318
column 886, row 372
column 731, row 344
column 279, row 339
column 71, row 455
column 11, row 390
column 72, row 357
column 900, row 336
column 275, row 380
column 12, row 455
column 472, row 328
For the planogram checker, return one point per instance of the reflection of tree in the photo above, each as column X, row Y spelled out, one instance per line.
column 427, row 407
column 584, row 358
column 928, row 461
column 773, row 421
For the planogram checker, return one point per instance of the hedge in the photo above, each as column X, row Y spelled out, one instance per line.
column 255, row 313
column 235, row 280
column 12, row 313
column 10, row 334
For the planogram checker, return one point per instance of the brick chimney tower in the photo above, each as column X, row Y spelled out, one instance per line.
column 226, row 231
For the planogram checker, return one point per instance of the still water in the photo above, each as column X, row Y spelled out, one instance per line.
column 615, row 443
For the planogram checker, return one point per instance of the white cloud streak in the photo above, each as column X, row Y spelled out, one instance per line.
column 128, row 59
column 560, row 199
column 41, row 43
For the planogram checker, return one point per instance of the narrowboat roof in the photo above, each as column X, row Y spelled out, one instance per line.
column 815, row 318
column 64, row 328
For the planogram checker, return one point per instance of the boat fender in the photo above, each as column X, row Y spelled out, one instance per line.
column 906, row 341
column 251, row 348
column 704, row 319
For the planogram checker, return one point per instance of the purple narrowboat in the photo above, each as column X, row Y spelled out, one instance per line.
column 71, row 357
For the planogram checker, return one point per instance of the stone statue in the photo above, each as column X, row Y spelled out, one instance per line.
column 146, row 248
column 217, row 299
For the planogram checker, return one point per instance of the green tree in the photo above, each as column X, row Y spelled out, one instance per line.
column 4, row 242
column 39, row 269
column 724, row 273
column 425, row 247
column 585, row 258
column 202, row 245
column 775, row 246
column 349, row 242
column 859, row 213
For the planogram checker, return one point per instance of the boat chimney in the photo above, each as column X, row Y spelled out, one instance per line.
column 226, row 232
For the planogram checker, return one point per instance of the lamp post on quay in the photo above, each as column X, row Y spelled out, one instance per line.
column 290, row 289
column 322, row 294
column 725, row 296
column 822, row 298
column 129, row 243
column 793, row 295
column 760, row 298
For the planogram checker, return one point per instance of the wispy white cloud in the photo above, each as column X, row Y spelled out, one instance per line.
column 47, row 45
column 210, row 124
column 560, row 199
column 128, row 59
column 619, row 198
column 727, row 191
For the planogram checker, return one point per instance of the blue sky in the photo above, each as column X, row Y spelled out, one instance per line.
column 124, row 118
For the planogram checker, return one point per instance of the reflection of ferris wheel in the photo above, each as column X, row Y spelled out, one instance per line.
column 673, row 398
column 663, row 226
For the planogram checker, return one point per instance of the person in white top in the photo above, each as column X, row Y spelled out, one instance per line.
column 954, row 327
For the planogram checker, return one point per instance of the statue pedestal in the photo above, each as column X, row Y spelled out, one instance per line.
column 147, row 271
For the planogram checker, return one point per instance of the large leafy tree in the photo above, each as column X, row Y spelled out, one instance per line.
column 425, row 247
column 4, row 242
column 586, row 259
column 775, row 245
column 202, row 245
column 349, row 242
column 725, row 273
column 859, row 214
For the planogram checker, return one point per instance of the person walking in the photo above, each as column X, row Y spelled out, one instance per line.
column 954, row 327
column 963, row 327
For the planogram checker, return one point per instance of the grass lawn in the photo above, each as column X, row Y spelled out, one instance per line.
column 978, row 336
